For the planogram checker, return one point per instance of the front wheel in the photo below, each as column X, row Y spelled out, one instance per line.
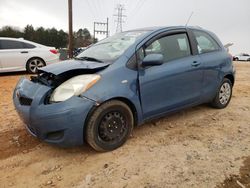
column 109, row 126
column 224, row 94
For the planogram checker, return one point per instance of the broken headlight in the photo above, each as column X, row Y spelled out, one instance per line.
column 74, row 87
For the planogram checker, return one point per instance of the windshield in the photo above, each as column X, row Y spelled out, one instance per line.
column 108, row 50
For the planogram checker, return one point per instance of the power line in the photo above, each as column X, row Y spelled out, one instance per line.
column 96, row 8
column 139, row 5
column 142, row 5
column 90, row 8
column 135, row 7
column 120, row 8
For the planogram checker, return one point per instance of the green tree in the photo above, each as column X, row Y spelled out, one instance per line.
column 82, row 38
column 29, row 33
column 40, row 36
column 8, row 31
column 48, row 37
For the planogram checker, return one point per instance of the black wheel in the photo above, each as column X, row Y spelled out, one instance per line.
column 224, row 94
column 109, row 126
column 236, row 59
column 33, row 64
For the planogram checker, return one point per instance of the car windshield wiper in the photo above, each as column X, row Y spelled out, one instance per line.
column 88, row 59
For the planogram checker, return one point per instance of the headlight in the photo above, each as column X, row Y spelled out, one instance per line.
column 74, row 87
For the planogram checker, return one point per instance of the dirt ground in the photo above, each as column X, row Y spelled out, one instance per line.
column 197, row 147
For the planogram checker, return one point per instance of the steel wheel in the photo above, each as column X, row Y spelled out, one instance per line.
column 112, row 127
column 34, row 64
column 109, row 126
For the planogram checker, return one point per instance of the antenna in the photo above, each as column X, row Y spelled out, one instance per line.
column 189, row 18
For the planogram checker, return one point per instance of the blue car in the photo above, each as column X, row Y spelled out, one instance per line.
column 124, row 81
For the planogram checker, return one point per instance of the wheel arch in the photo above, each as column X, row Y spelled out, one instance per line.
column 130, row 105
column 34, row 57
column 128, row 102
column 230, row 77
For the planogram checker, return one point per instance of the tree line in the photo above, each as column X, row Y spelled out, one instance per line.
column 49, row 36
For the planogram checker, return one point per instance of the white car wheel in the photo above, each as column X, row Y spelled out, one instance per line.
column 33, row 64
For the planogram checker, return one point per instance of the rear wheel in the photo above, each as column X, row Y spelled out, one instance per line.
column 33, row 64
column 109, row 126
column 224, row 94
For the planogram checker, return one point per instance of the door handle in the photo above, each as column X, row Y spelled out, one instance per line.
column 196, row 63
column 24, row 52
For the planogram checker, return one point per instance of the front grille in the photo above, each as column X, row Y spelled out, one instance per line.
column 25, row 101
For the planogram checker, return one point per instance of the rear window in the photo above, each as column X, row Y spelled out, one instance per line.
column 10, row 44
column 205, row 42
column 27, row 45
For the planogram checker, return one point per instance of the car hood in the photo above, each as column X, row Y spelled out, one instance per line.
column 71, row 65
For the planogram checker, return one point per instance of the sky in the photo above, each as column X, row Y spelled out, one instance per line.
column 228, row 19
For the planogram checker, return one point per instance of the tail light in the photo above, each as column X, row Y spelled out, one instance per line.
column 53, row 51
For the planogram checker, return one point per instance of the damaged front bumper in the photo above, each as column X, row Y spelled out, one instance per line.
column 57, row 123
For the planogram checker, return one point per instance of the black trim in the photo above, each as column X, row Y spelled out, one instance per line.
column 193, row 42
column 132, row 62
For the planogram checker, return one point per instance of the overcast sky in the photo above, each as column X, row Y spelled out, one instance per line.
column 229, row 19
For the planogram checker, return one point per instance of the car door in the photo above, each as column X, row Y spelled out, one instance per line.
column 213, row 59
column 174, row 84
column 13, row 55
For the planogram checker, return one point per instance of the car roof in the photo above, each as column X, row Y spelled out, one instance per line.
column 9, row 38
column 22, row 40
column 156, row 28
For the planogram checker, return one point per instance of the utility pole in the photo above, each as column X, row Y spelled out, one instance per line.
column 120, row 8
column 70, row 48
column 103, row 28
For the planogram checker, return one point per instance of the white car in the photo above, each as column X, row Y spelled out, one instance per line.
column 242, row 57
column 20, row 54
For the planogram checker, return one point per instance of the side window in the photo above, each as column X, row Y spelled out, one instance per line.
column 171, row 47
column 154, row 48
column 28, row 46
column 205, row 42
column 9, row 44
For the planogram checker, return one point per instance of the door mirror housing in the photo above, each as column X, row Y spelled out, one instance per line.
column 152, row 60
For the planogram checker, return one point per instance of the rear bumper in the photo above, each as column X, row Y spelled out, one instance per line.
column 59, row 123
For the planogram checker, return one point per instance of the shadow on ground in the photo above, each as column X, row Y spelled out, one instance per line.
column 238, row 181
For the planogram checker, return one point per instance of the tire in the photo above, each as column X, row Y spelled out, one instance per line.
column 33, row 64
column 223, row 95
column 236, row 59
column 109, row 126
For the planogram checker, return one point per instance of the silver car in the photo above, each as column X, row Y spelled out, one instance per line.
column 20, row 55
column 242, row 57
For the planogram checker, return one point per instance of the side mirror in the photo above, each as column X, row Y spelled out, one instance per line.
column 152, row 60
